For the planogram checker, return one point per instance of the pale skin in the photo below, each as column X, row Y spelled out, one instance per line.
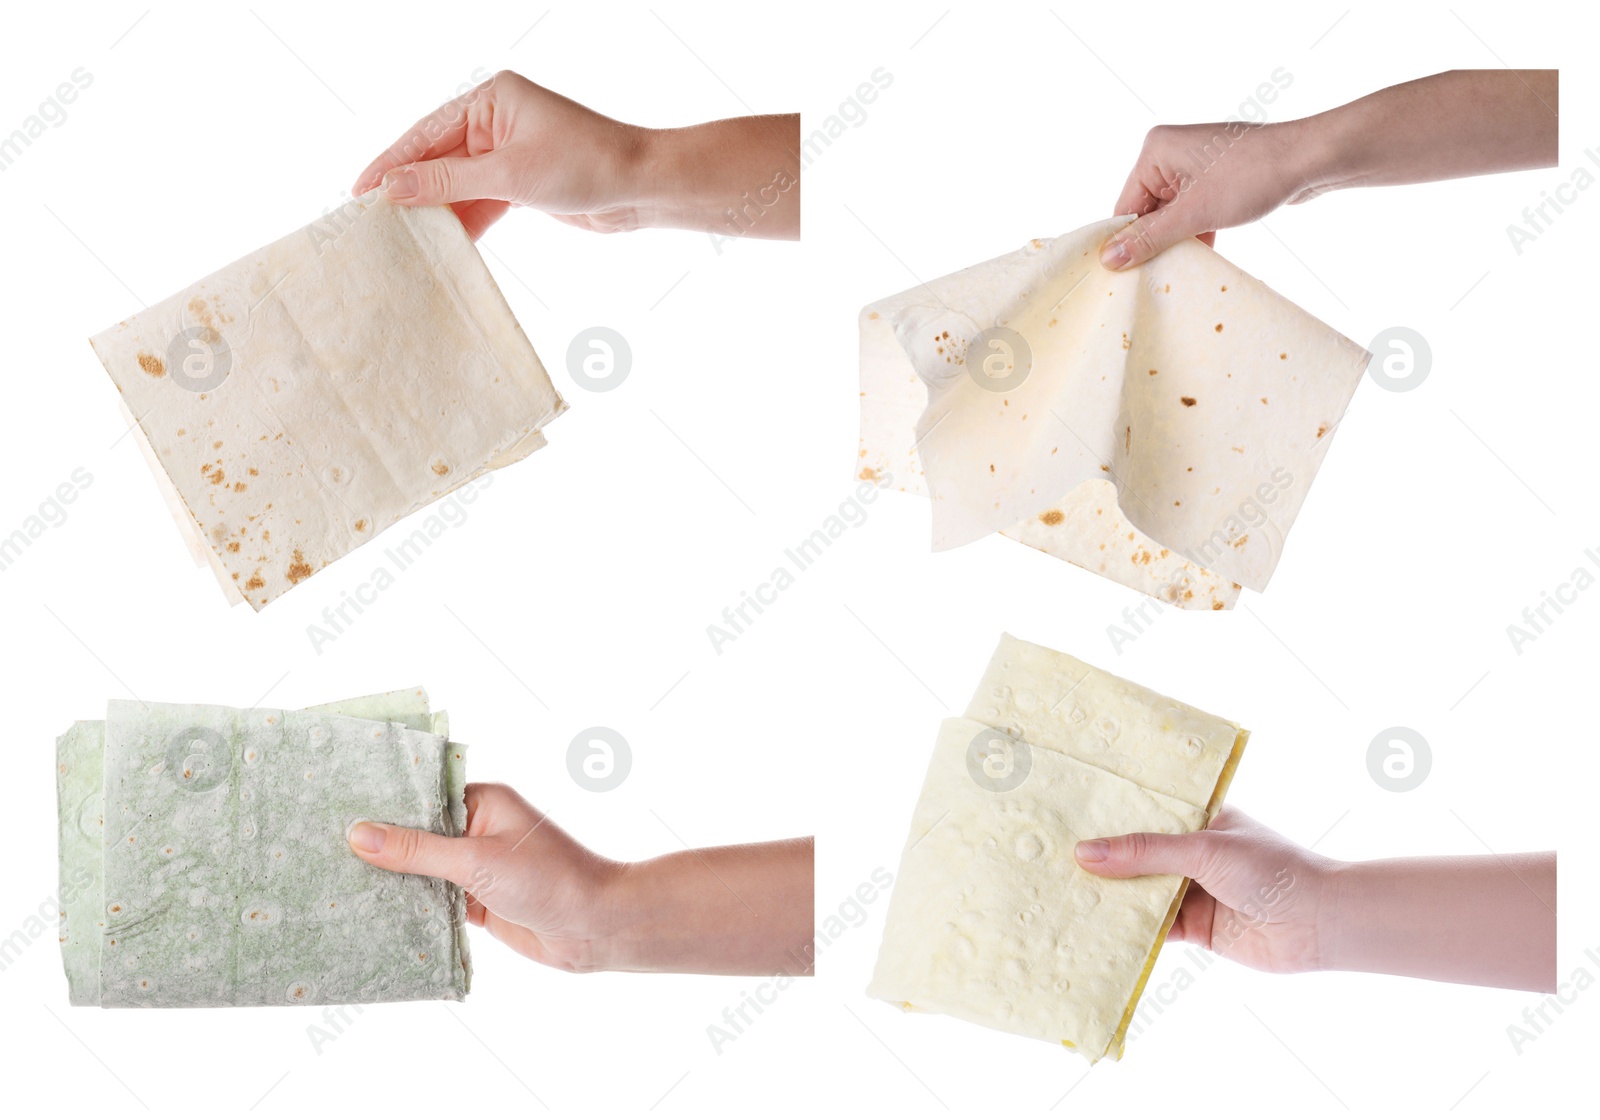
column 743, row 910
column 509, row 142
column 1192, row 180
column 1259, row 899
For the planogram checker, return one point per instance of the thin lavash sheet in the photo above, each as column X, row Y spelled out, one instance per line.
column 1205, row 399
column 308, row 396
column 252, row 818
column 990, row 918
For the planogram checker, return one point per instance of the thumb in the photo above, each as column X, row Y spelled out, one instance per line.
column 433, row 182
column 1148, row 853
column 415, row 852
column 1143, row 238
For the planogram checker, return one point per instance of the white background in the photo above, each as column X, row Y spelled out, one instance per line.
column 579, row 590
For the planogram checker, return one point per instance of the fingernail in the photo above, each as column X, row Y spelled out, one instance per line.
column 1114, row 255
column 1092, row 851
column 367, row 837
column 400, row 184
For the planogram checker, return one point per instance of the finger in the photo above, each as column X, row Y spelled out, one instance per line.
column 495, row 809
column 477, row 216
column 415, row 852
column 1210, row 239
column 1136, row 198
column 1194, row 916
column 449, row 179
column 1140, row 240
column 1147, row 853
column 431, row 137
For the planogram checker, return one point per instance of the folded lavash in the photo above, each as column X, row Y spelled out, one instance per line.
column 203, row 861
column 991, row 919
column 1161, row 425
column 308, row 396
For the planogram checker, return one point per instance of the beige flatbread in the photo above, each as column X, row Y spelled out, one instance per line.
column 991, row 920
column 308, row 396
column 1207, row 400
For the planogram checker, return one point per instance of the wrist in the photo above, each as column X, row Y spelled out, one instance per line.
column 1322, row 153
column 653, row 168
column 1330, row 933
column 599, row 913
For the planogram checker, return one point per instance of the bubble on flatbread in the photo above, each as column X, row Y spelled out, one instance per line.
column 260, row 914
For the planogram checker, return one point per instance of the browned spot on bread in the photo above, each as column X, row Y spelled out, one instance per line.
column 1242, row 541
column 1152, row 373
column 152, row 365
column 255, row 582
column 298, row 568
column 1284, row 357
column 361, row 524
column 233, row 546
column 1322, row 430
column 1219, row 328
column 1263, row 400
column 1127, row 438
column 1188, row 402
column 868, row 474
column 440, row 468
column 1224, row 287
column 1216, row 604
column 215, row 476
column 254, row 471
column 1052, row 517
column 1187, row 595
column 240, row 487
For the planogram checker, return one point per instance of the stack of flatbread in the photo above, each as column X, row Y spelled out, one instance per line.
column 298, row 402
column 1160, row 425
column 991, row 918
column 204, row 861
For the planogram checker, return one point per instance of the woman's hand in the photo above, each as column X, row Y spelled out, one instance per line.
column 1265, row 902
column 1256, row 897
column 744, row 910
column 508, row 142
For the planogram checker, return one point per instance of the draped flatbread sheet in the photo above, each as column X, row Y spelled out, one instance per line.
column 991, row 919
column 203, row 859
column 1160, row 425
column 301, row 400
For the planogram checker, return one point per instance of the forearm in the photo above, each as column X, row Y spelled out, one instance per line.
column 1465, row 919
column 1463, row 122
column 745, row 910
column 736, row 178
